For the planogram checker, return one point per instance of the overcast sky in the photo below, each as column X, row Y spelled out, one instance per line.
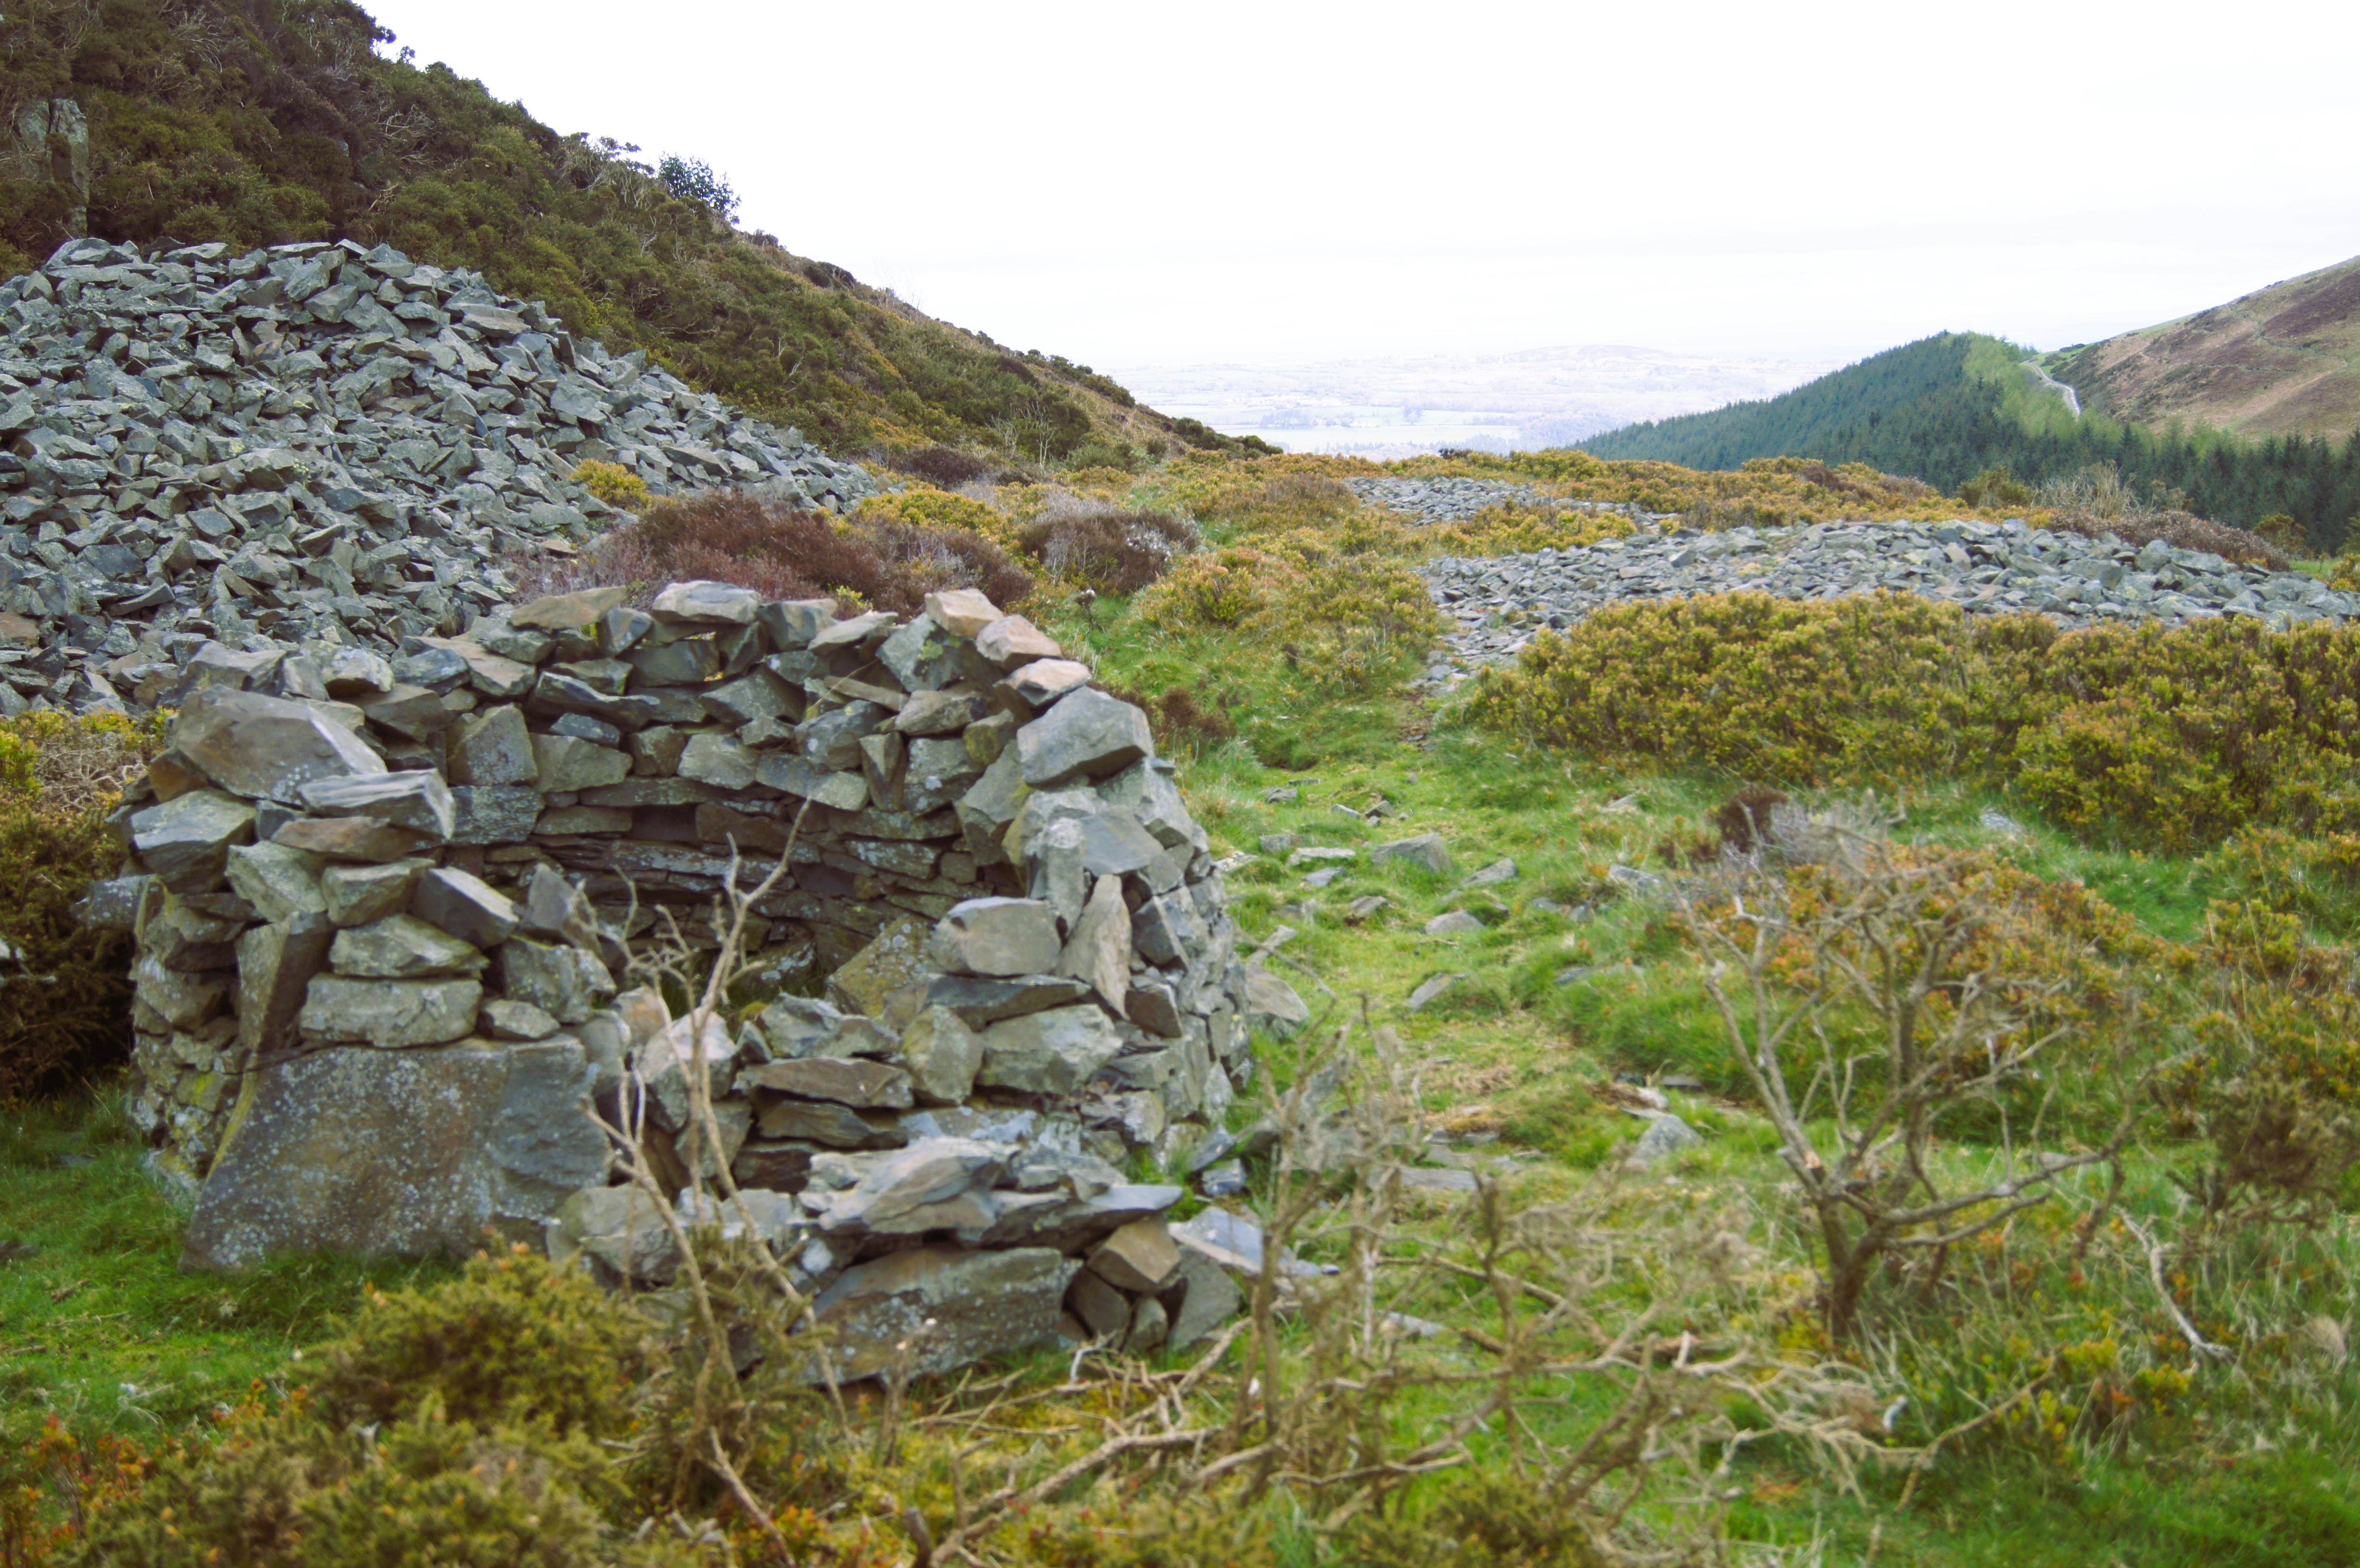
column 1139, row 184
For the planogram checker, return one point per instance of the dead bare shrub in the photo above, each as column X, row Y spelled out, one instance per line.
column 1872, row 999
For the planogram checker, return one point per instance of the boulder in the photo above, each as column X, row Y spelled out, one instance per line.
column 961, row 612
column 890, row 961
column 1140, row 1256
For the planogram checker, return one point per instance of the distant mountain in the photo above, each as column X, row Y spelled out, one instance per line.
column 259, row 122
column 1953, row 407
column 2283, row 360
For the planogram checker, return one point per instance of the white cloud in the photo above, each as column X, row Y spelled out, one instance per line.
column 1222, row 180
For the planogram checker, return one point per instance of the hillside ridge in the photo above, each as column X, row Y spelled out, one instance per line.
column 2283, row 360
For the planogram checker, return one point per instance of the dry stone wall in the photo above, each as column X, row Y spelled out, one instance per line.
column 388, row 910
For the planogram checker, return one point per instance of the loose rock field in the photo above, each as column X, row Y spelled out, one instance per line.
column 1501, row 603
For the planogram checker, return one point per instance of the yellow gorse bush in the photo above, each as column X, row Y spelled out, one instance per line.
column 2174, row 736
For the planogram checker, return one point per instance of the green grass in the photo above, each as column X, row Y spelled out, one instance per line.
column 98, row 1325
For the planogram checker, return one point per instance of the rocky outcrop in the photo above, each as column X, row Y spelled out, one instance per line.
column 387, row 912
column 209, row 461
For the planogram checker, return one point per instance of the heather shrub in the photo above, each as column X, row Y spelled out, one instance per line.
column 2182, row 530
column 784, row 552
column 1108, row 549
column 944, row 467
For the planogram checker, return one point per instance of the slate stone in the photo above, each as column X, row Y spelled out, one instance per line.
column 864, row 1085
column 996, row 936
column 267, row 747
column 1099, row 950
column 942, row 1055
column 703, row 603
column 186, row 842
column 568, row 612
column 350, row 839
column 1052, row 1052
column 280, row 882
column 980, row 1000
column 418, row 801
column 563, row 763
column 562, row 980
column 1087, row 736
column 402, row 947
column 970, row 1305
column 392, row 1014
column 463, row 905
column 1426, row 850
column 493, row 747
column 961, row 612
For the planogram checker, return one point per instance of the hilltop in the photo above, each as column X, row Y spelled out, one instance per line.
column 1957, row 408
column 2282, row 361
column 270, row 123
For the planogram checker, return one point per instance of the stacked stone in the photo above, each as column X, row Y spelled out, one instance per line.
column 384, row 909
column 308, row 444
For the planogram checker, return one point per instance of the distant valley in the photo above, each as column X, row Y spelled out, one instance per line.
column 1394, row 407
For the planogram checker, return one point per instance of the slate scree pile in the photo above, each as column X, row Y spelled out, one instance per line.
column 308, row 444
column 389, row 877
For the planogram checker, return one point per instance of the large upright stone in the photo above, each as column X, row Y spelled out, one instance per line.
column 403, row 1153
column 267, row 747
column 275, row 963
column 1099, row 948
column 1088, row 734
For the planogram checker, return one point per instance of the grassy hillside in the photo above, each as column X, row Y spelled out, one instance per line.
column 2282, row 361
column 1957, row 405
column 258, row 122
